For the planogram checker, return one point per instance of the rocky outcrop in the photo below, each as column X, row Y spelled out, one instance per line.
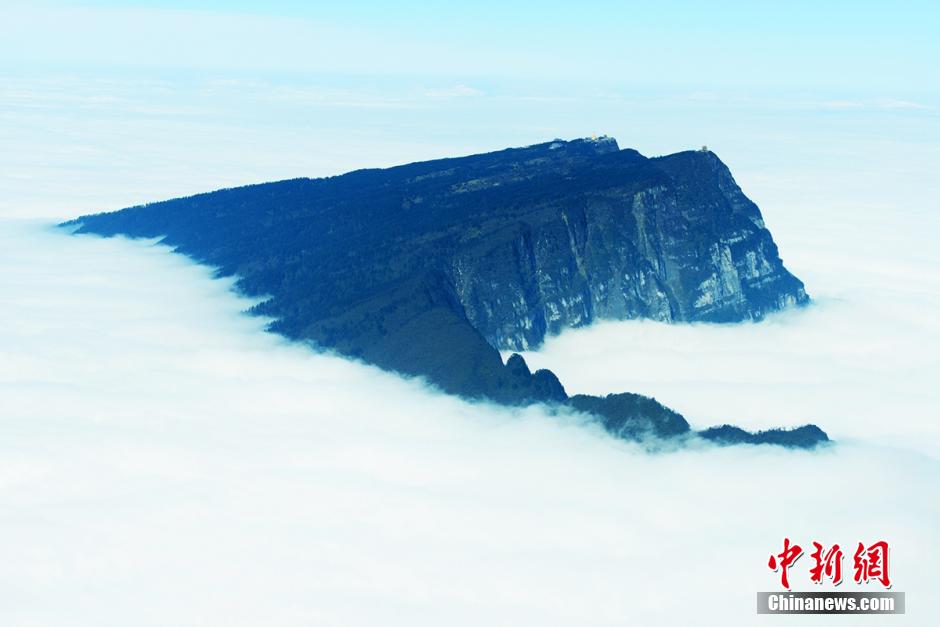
column 632, row 416
column 807, row 436
column 432, row 268
column 686, row 247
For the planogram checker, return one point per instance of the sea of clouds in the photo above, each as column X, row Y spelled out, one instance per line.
column 164, row 461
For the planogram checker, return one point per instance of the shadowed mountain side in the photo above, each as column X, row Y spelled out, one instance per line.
column 632, row 416
column 806, row 436
column 431, row 268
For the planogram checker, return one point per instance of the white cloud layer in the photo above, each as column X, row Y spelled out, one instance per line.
column 165, row 462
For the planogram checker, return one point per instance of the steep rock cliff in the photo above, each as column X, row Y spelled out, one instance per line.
column 431, row 268
column 687, row 246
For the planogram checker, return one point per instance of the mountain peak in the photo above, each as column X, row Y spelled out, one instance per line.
column 432, row 268
column 593, row 145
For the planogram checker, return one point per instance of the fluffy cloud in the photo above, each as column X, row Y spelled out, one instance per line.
column 165, row 461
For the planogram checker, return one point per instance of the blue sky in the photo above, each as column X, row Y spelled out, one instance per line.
column 856, row 45
column 104, row 104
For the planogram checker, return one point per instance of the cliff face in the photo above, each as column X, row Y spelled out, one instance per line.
column 687, row 246
column 429, row 268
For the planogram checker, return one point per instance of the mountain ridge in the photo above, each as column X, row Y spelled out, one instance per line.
column 431, row 268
